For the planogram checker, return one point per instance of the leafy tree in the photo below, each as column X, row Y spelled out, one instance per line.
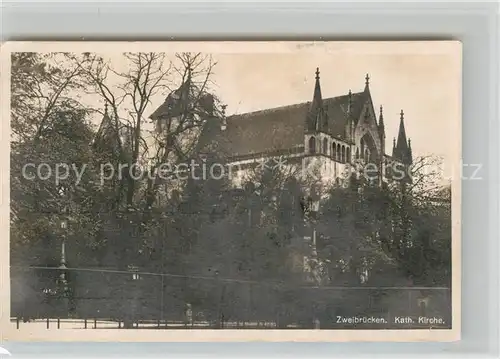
column 395, row 235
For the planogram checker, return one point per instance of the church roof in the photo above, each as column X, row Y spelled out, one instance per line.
column 281, row 128
column 188, row 97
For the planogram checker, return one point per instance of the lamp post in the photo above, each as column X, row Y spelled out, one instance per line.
column 63, row 283
column 131, row 315
column 220, row 294
column 312, row 217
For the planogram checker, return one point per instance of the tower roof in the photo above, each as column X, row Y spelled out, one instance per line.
column 187, row 94
column 316, row 118
column 402, row 142
column 317, row 98
column 401, row 150
column 107, row 127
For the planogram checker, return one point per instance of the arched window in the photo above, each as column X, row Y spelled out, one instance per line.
column 339, row 152
column 348, row 155
column 367, row 155
column 363, row 146
column 312, row 145
column 357, row 153
column 334, row 151
column 343, row 154
column 325, row 146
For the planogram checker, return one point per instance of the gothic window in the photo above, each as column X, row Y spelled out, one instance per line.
column 343, row 154
column 325, row 146
column 312, row 145
column 348, row 155
column 339, row 152
column 362, row 146
column 357, row 153
column 334, row 150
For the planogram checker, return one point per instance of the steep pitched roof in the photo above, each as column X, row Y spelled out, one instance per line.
column 280, row 128
column 189, row 96
column 113, row 136
column 402, row 149
column 107, row 127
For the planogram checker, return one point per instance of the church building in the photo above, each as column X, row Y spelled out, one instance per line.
column 334, row 134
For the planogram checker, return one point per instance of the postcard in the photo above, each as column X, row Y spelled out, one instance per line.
column 231, row 191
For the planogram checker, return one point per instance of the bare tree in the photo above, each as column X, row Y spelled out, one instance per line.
column 41, row 85
column 130, row 99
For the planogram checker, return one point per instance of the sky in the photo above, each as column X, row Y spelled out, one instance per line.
column 421, row 78
column 423, row 86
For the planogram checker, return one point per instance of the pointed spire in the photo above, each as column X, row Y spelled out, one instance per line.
column 367, row 81
column 381, row 125
column 381, row 117
column 402, row 150
column 317, row 98
column 316, row 115
column 402, row 142
column 106, row 124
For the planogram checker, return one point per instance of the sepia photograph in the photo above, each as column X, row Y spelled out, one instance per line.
column 272, row 190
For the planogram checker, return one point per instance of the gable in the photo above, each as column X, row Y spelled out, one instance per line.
column 367, row 125
column 367, row 116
